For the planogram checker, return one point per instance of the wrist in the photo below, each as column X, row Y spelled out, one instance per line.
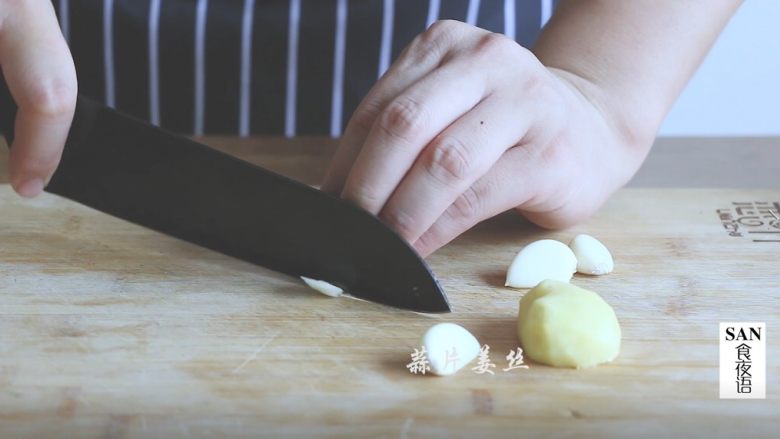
column 630, row 130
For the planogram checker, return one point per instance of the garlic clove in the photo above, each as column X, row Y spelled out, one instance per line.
column 593, row 257
column 540, row 260
column 449, row 348
column 323, row 287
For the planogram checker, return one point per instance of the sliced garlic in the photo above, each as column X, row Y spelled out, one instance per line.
column 449, row 347
column 540, row 260
column 323, row 287
column 592, row 256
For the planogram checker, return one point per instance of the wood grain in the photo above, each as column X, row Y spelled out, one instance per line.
column 110, row 330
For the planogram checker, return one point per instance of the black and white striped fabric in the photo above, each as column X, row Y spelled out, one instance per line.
column 245, row 67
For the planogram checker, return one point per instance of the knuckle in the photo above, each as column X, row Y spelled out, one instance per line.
column 448, row 161
column 432, row 43
column 53, row 99
column 426, row 242
column 466, row 206
column 554, row 155
column 402, row 118
column 539, row 87
column 401, row 222
column 495, row 44
column 364, row 196
column 430, row 38
column 444, row 27
column 363, row 119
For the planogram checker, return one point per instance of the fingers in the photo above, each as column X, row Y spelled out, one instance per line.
column 405, row 127
column 417, row 150
column 39, row 71
column 511, row 182
column 421, row 57
column 363, row 119
column 452, row 163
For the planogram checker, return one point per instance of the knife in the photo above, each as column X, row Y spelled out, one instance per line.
column 140, row 173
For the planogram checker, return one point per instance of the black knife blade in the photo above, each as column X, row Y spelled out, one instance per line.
column 143, row 174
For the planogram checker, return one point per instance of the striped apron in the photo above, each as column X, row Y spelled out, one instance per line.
column 246, row 67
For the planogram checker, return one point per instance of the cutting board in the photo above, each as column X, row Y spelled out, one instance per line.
column 110, row 330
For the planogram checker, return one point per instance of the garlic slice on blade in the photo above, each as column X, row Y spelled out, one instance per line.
column 323, row 287
column 449, row 347
column 593, row 257
column 540, row 260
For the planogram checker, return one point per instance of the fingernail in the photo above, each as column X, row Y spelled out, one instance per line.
column 31, row 188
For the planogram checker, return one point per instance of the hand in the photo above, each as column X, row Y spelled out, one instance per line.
column 40, row 75
column 467, row 124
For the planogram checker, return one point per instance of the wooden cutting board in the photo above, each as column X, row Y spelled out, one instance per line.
column 111, row 330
